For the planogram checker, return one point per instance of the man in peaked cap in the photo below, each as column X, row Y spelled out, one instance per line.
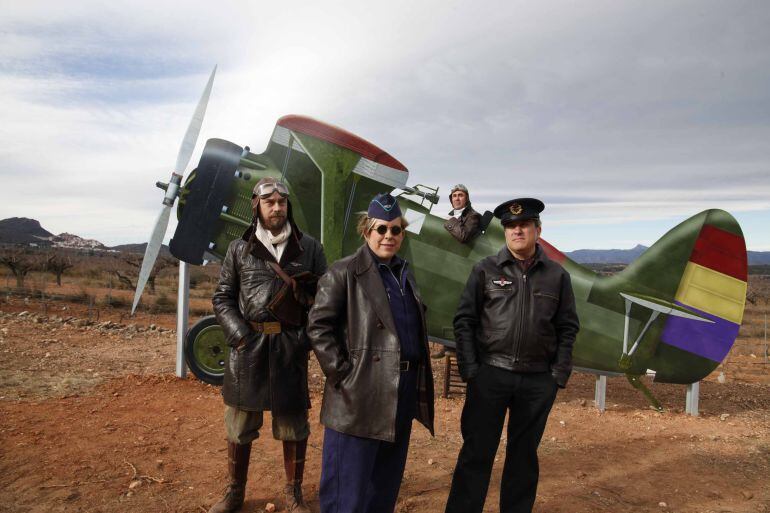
column 266, row 368
column 464, row 223
column 514, row 328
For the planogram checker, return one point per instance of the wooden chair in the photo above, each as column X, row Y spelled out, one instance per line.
column 452, row 380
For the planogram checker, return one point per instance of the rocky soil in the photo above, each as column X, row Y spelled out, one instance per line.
column 92, row 419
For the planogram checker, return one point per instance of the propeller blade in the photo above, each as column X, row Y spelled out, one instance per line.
column 151, row 253
column 191, row 136
column 182, row 160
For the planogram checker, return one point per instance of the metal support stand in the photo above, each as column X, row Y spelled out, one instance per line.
column 182, row 315
column 691, row 403
column 600, row 396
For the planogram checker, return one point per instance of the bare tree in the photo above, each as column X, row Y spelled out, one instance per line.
column 135, row 262
column 20, row 263
column 58, row 264
column 125, row 280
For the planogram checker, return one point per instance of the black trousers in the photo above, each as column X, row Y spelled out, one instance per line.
column 528, row 398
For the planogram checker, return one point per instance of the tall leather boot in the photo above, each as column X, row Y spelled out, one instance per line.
column 238, row 468
column 294, row 464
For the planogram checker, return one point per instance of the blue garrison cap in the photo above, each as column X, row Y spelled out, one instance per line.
column 385, row 207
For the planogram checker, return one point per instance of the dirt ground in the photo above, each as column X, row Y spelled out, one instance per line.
column 92, row 419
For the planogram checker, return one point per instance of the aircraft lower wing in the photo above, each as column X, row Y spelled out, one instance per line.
column 663, row 306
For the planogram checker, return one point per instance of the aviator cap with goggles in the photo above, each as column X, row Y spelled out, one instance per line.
column 267, row 186
column 459, row 187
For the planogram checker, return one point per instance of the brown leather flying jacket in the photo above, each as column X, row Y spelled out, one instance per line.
column 523, row 322
column 352, row 332
column 270, row 371
column 466, row 227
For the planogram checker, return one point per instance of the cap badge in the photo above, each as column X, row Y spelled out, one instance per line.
column 386, row 208
column 516, row 209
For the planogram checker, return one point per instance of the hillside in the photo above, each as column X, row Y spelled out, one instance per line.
column 22, row 230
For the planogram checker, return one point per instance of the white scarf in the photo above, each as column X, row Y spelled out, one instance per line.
column 275, row 244
column 457, row 213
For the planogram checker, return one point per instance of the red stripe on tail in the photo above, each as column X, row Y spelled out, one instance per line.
column 721, row 251
column 552, row 252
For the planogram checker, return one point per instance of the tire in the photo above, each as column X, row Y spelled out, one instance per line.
column 206, row 351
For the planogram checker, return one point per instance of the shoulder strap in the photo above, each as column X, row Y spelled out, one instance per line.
column 280, row 272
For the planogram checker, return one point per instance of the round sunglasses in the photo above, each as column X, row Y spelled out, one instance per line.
column 383, row 229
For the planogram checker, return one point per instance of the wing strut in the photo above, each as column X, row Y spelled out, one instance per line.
column 656, row 307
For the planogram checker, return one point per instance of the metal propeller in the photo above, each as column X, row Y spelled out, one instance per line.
column 172, row 189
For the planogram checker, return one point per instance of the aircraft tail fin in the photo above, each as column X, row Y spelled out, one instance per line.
column 700, row 265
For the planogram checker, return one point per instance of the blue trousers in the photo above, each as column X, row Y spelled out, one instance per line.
column 363, row 475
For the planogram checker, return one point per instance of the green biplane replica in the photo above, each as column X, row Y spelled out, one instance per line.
column 674, row 313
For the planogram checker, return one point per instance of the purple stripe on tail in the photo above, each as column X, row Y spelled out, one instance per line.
column 712, row 341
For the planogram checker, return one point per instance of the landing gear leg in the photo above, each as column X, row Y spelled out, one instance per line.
column 636, row 382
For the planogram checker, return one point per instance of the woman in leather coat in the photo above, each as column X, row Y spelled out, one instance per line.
column 367, row 328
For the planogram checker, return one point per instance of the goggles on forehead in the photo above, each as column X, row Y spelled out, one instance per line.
column 267, row 189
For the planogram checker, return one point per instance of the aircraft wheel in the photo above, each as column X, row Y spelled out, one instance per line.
column 206, row 351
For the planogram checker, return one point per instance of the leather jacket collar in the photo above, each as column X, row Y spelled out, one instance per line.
column 467, row 210
column 395, row 264
column 256, row 248
column 504, row 256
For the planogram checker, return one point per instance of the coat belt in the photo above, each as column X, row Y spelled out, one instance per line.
column 268, row 328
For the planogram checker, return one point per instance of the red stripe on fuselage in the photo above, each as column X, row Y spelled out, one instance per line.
column 721, row 251
column 551, row 252
column 340, row 137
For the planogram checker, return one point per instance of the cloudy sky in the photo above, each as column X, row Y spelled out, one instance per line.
column 625, row 117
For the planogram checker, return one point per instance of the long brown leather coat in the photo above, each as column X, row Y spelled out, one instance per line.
column 352, row 332
column 270, row 371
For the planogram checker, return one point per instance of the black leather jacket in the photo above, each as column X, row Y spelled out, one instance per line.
column 270, row 371
column 353, row 334
column 523, row 322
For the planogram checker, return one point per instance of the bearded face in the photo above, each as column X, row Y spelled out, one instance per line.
column 272, row 211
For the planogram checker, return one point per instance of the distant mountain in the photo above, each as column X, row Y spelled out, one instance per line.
column 21, row 230
column 626, row 256
column 24, row 231
column 140, row 248
column 606, row 256
column 581, row 256
column 759, row 257
column 67, row 240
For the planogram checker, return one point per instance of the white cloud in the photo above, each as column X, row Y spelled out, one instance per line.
column 626, row 112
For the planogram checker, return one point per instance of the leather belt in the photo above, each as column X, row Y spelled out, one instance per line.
column 268, row 328
column 406, row 365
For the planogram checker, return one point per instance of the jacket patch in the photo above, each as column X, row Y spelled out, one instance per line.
column 502, row 282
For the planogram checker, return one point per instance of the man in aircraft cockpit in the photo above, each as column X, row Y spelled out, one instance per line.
column 464, row 223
